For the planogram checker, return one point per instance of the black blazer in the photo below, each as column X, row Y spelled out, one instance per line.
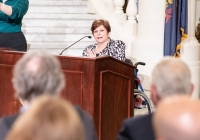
column 5, row 124
column 139, row 128
column 90, row 131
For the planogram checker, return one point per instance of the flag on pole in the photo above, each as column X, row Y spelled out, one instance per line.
column 176, row 22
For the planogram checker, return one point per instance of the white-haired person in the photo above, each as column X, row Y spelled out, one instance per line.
column 39, row 73
column 171, row 76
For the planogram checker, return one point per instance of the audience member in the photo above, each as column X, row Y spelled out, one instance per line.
column 39, row 73
column 177, row 118
column 197, row 34
column 104, row 45
column 48, row 118
column 170, row 76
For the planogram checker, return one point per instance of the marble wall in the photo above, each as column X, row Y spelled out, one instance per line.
column 54, row 25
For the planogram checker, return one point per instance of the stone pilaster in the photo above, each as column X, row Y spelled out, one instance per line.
column 148, row 45
column 190, row 48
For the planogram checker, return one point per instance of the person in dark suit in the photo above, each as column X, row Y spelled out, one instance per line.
column 170, row 76
column 39, row 73
column 177, row 118
column 6, row 124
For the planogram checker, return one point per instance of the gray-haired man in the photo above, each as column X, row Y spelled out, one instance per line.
column 38, row 73
column 169, row 77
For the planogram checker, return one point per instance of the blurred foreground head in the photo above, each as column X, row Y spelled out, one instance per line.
column 177, row 118
column 37, row 73
column 48, row 118
column 170, row 76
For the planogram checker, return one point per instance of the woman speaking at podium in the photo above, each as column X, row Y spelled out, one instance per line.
column 104, row 45
column 11, row 15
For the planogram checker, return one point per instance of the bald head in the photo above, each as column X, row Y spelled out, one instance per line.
column 177, row 118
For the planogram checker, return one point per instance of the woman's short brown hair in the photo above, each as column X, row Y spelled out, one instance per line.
column 100, row 22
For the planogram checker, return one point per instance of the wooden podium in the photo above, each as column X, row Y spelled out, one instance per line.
column 101, row 86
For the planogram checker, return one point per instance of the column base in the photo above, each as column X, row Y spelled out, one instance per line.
column 190, row 54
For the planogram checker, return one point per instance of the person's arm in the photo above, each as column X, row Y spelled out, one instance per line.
column 122, row 54
column 124, row 132
column 6, row 9
column 119, row 50
column 17, row 11
column 85, row 52
column 91, row 53
column 88, row 52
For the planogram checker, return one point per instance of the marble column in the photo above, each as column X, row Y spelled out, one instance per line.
column 118, row 12
column 198, row 12
column 148, row 45
column 190, row 48
column 131, row 12
column 109, row 5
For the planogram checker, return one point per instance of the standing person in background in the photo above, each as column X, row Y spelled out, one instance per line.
column 11, row 15
column 104, row 45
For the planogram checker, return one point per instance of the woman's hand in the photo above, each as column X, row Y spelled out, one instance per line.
column 6, row 9
column 90, row 53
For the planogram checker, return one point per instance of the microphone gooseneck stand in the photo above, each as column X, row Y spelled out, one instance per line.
column 75, row 43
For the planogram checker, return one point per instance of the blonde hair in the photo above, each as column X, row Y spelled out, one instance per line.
column 48, row 118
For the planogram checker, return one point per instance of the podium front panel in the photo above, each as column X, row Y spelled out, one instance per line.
column 114, row 102
column 8, row 103
column 73, row 90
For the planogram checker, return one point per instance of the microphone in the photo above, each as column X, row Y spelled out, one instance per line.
column 75, row 43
